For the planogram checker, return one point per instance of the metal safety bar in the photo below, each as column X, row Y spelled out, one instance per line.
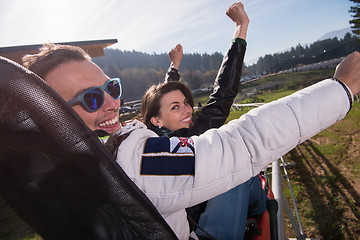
column 276, row 185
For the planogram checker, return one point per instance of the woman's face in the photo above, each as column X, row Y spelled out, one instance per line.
column 175, row 111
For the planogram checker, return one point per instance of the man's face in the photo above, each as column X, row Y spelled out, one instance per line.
column 70, row 79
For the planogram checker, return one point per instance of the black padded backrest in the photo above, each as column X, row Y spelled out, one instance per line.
column 56, row 174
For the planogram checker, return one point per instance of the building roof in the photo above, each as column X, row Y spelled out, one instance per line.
column 94, row 48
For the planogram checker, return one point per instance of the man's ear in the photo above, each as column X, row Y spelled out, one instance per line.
column 156, row 121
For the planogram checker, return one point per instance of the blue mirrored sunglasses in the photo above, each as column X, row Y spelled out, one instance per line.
column 92, row 99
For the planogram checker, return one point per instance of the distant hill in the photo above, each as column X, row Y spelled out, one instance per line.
column 336, row 44
column 337, row 33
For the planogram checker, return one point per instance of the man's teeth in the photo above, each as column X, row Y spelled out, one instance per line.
column 109, row 122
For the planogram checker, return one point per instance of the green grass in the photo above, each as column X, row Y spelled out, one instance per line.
column 203, row 98
column 12, row 226
column 271, row 96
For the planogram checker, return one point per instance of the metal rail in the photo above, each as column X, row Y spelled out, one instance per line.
column 277, row 188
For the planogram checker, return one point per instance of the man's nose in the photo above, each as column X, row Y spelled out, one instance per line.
column 110, row 104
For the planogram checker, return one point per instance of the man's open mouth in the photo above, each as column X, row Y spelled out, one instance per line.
column 109, row 122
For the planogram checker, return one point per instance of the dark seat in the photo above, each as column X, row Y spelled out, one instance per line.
column 56, row 174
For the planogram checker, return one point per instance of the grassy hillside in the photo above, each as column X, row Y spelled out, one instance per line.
column 325, row 178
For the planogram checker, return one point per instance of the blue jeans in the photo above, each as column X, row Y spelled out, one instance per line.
column 225, row 215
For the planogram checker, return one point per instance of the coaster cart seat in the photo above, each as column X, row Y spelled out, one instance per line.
column 55, row 173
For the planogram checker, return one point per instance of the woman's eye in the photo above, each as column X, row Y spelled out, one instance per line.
column 175, row 107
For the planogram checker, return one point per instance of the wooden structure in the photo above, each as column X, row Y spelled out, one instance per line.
column 94, row 48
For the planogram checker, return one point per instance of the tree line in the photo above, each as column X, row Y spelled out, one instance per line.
column 316, row 52
column 138, row 70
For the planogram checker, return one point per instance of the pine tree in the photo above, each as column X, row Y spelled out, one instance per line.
column 355, row 10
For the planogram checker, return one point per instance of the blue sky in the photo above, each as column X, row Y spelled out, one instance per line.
column 158, row 25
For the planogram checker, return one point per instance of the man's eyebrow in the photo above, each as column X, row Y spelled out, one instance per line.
column 80, row 91
column 84, row 89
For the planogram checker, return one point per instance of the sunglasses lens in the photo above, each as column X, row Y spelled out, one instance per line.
column 114, row 89
column 94, row 99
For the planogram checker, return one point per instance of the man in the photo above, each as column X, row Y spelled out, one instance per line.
column 224, row 158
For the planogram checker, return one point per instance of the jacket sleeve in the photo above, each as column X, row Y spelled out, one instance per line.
column 172, row 75
column 226, row 87
column 230, row 155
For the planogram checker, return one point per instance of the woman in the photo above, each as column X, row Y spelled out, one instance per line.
column 167, row 109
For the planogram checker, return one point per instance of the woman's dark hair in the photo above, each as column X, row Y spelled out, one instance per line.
column 150, row 106
column 52, row 55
